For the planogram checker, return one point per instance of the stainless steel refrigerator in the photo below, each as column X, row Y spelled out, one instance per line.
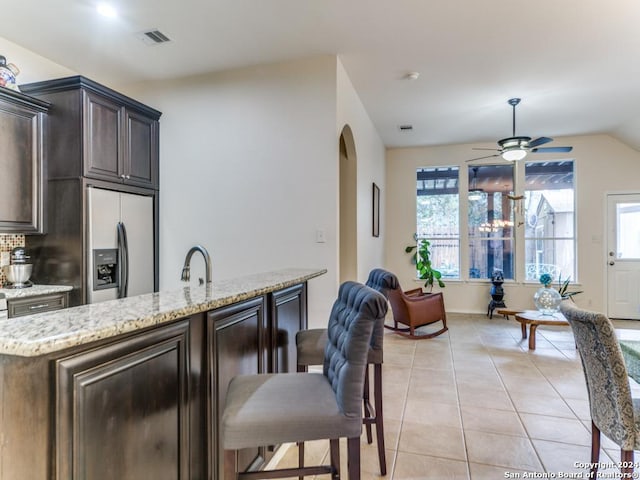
column 120, row 253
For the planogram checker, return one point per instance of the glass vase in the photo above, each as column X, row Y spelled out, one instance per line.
column 547, row 300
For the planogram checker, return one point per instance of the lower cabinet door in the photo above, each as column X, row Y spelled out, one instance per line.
column 122, row 409
column 236, row 345
column 288, row 315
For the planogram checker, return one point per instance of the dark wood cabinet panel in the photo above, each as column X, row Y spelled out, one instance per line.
column 288, row 315
column 102, row 134
column 141, row 149
column 146, row 404
column 119, row 134
column 18, row 307
column 122, row 410
column 22, row 164
column 236, row 346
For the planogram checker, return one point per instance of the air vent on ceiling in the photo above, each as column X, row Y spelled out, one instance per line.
column 153, row 37
column 405, row 128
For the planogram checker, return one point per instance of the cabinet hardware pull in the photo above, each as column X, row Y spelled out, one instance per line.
column 36, row 307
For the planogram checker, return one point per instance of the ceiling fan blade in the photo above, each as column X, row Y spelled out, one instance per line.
column 493, row 149
column 551, row 149
column 480, row 158
column 539, row 141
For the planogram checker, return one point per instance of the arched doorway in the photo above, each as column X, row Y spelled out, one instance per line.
column 348, row 249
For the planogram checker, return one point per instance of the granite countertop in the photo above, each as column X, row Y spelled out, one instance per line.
column 11, row 293
column 45, row 333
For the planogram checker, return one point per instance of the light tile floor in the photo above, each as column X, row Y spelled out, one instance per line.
column 475, row 403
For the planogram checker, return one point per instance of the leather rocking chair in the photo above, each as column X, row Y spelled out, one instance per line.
column 415, row 309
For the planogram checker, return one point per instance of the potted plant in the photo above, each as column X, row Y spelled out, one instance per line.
column 421, row 258
column 563, row 289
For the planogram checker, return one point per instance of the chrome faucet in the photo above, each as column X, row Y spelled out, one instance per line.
column 186, row 269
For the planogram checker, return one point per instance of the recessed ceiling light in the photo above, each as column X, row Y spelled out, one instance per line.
column 107, row 10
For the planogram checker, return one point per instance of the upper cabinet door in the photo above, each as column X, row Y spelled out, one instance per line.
column 102, row 133
column 121, row 144
column 141, row 150
column 21, row 163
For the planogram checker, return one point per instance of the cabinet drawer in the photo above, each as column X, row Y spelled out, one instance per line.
column 38, row 304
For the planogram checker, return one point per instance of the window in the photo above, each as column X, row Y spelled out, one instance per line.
column 438, row 217
column 491, row 241
column 549, row 217
column 530, row 204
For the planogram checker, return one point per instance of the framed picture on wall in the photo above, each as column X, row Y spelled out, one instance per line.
column 376, row 210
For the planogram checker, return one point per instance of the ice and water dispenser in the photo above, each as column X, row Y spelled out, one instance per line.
column 105, row 268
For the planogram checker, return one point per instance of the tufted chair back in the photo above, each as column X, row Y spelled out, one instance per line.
column 382, row 281
column 351, row 323
column 605, row 373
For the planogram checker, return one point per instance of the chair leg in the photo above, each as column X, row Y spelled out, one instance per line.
column 595, row 450
column 301, row 368
column 300, row 457
column 230, row 464
column 626, row 457
column 367, row 404
column 334, row 451
column 353, row 458
column 377, row 398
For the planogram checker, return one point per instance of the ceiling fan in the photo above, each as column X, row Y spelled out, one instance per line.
column 516, row 147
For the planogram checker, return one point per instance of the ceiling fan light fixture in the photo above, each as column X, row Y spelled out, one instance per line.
column 514, row 154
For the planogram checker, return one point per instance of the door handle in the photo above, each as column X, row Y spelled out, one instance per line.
column 612, row 263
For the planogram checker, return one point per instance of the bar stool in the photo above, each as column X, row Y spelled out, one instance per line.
column 271, row 409
column 310, row 345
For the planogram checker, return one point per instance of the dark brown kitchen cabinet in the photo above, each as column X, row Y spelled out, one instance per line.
column 100, row 138
column 122, row 409
column 19, row 307
column 288, row 315
column 144, row 404
column 236, row 345
column 99, row 133
column 120, row 143
column 22, row 166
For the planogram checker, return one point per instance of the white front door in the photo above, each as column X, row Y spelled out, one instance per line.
column 623, row 256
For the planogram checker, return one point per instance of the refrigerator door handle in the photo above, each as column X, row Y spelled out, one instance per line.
column 123, row 251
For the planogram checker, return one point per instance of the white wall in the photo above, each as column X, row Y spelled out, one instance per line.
column 602, row 165
column 370, row 154
column 248, row 169
column 33, row 67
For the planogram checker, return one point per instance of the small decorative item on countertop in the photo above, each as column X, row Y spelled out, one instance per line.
column 8, row 74
column 547, row 299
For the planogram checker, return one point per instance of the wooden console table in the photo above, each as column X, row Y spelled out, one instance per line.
column 535, row 318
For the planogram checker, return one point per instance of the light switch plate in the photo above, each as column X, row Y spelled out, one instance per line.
column 5, row 258
column 320, row 238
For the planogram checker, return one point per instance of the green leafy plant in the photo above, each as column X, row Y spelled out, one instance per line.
column 421, row 258
column 563, row 288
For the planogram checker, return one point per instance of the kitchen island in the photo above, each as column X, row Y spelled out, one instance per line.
column 134, row 388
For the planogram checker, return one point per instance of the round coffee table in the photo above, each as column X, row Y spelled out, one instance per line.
column 533, row 318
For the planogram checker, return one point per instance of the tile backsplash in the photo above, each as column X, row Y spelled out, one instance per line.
column 7, row 243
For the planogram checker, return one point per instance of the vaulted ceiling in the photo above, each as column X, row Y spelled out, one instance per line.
column 573, row 62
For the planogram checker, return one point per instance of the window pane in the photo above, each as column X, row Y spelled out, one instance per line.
column 552, row 256
column 628, row 221
column 549, row 220
column 490, row 220
column 438, row 218
column 445, row 254
column 487, row 255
